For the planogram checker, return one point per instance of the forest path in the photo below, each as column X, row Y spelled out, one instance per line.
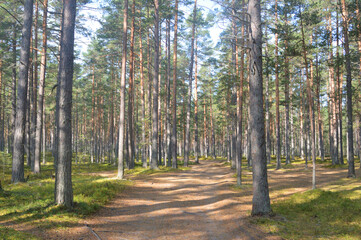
column 195, row 204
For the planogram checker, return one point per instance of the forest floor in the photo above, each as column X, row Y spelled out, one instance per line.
column 201, row 203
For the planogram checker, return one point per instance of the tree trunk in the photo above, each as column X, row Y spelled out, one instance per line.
column 310, row 106
column 19, row 131
column 153, row 161
column 350, row 152
column 287, row 101
column 174, row 113
column 189, row 100
column 278, row 134
column 63, row 183
column 261, row 201
column 196, row 139
column 122, row 95
column 39, row 118
column 143, row 145
column 33, row 96
column 131, row 93
column 13, row 109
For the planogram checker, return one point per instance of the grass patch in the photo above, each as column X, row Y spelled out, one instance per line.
column 332, row 213
column 32, row 202
column 11, row 234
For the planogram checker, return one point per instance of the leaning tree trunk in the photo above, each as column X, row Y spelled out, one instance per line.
column 19, row 131
column 63, row 183
column 350, row 154
column 39, row 118
column 261, row 201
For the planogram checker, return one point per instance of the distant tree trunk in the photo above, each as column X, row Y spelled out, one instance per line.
column 122, row 95
column 196, row 139
column 350, row 152
column 19, row 131
column 174, row 112
column 310, row 106
column 239, row 105
column 149, row 93
column 287, row 100
column 320, row 132
column 168, row 111
column 189, row 99
column 39, row 118
column 63, row 183
column 339, row 93
column 131, row 93
column 213, row 144
column 267, row 107
column 261, row 201
column 153, row 161
column 33, row 96
column 278, row 131
column 143, row 145
column 358, row 18
column 332, row 96
column 13, row 109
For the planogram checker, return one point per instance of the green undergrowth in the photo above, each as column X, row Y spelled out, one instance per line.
column 32, row 202
column 137, row 170
column 333, row 212
column 11, row 234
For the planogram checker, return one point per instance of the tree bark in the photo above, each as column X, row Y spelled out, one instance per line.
column 122, row 95
column 278, row 131
column 19, row 131
column 350, row 152
column 131, row 93
column 39, row 118
column 189, row 99
column 174, row 112
column 310, row 106
column 63, row 183
column 153, row 161
column 261, row 201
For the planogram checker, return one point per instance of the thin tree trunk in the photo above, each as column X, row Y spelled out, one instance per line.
column 350, row 152
column 19, row 131
column 131, row 93
column 278, row 134
column 310, row 106
column 33, row 105
column 39, row 118
column 189, row 99
column 122, row 95
column 13, row 109
column 153, row 161
column 143, row 145
column 196, row 139
column 174, row 112
column 287, row 101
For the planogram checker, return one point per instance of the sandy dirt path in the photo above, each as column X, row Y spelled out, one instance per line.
column 195, row 204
